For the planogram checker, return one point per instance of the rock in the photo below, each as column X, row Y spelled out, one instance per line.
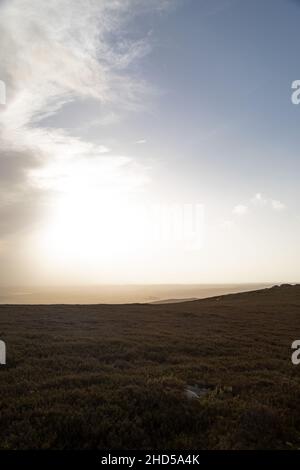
column 193, row 392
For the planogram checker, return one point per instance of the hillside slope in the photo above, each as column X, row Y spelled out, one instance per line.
column 114, row 376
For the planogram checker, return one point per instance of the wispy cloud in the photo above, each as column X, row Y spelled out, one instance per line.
column 240, row 209
column 53, row 53
column 277, row 205
column 261, row 200
column 256, row 202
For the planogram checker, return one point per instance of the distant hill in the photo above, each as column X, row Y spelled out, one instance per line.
column 172, row 301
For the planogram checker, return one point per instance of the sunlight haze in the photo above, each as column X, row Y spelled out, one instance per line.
column 116, row 110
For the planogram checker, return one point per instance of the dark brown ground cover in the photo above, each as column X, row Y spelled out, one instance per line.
column 113, row 376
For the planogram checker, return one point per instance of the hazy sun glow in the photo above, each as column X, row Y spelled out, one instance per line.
column 92, row 217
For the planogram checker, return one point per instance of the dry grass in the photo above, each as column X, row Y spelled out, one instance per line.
column 113, row 376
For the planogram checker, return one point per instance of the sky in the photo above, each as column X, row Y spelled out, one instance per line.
column 149, row 141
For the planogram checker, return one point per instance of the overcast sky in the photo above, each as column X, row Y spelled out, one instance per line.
column 114, row 103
